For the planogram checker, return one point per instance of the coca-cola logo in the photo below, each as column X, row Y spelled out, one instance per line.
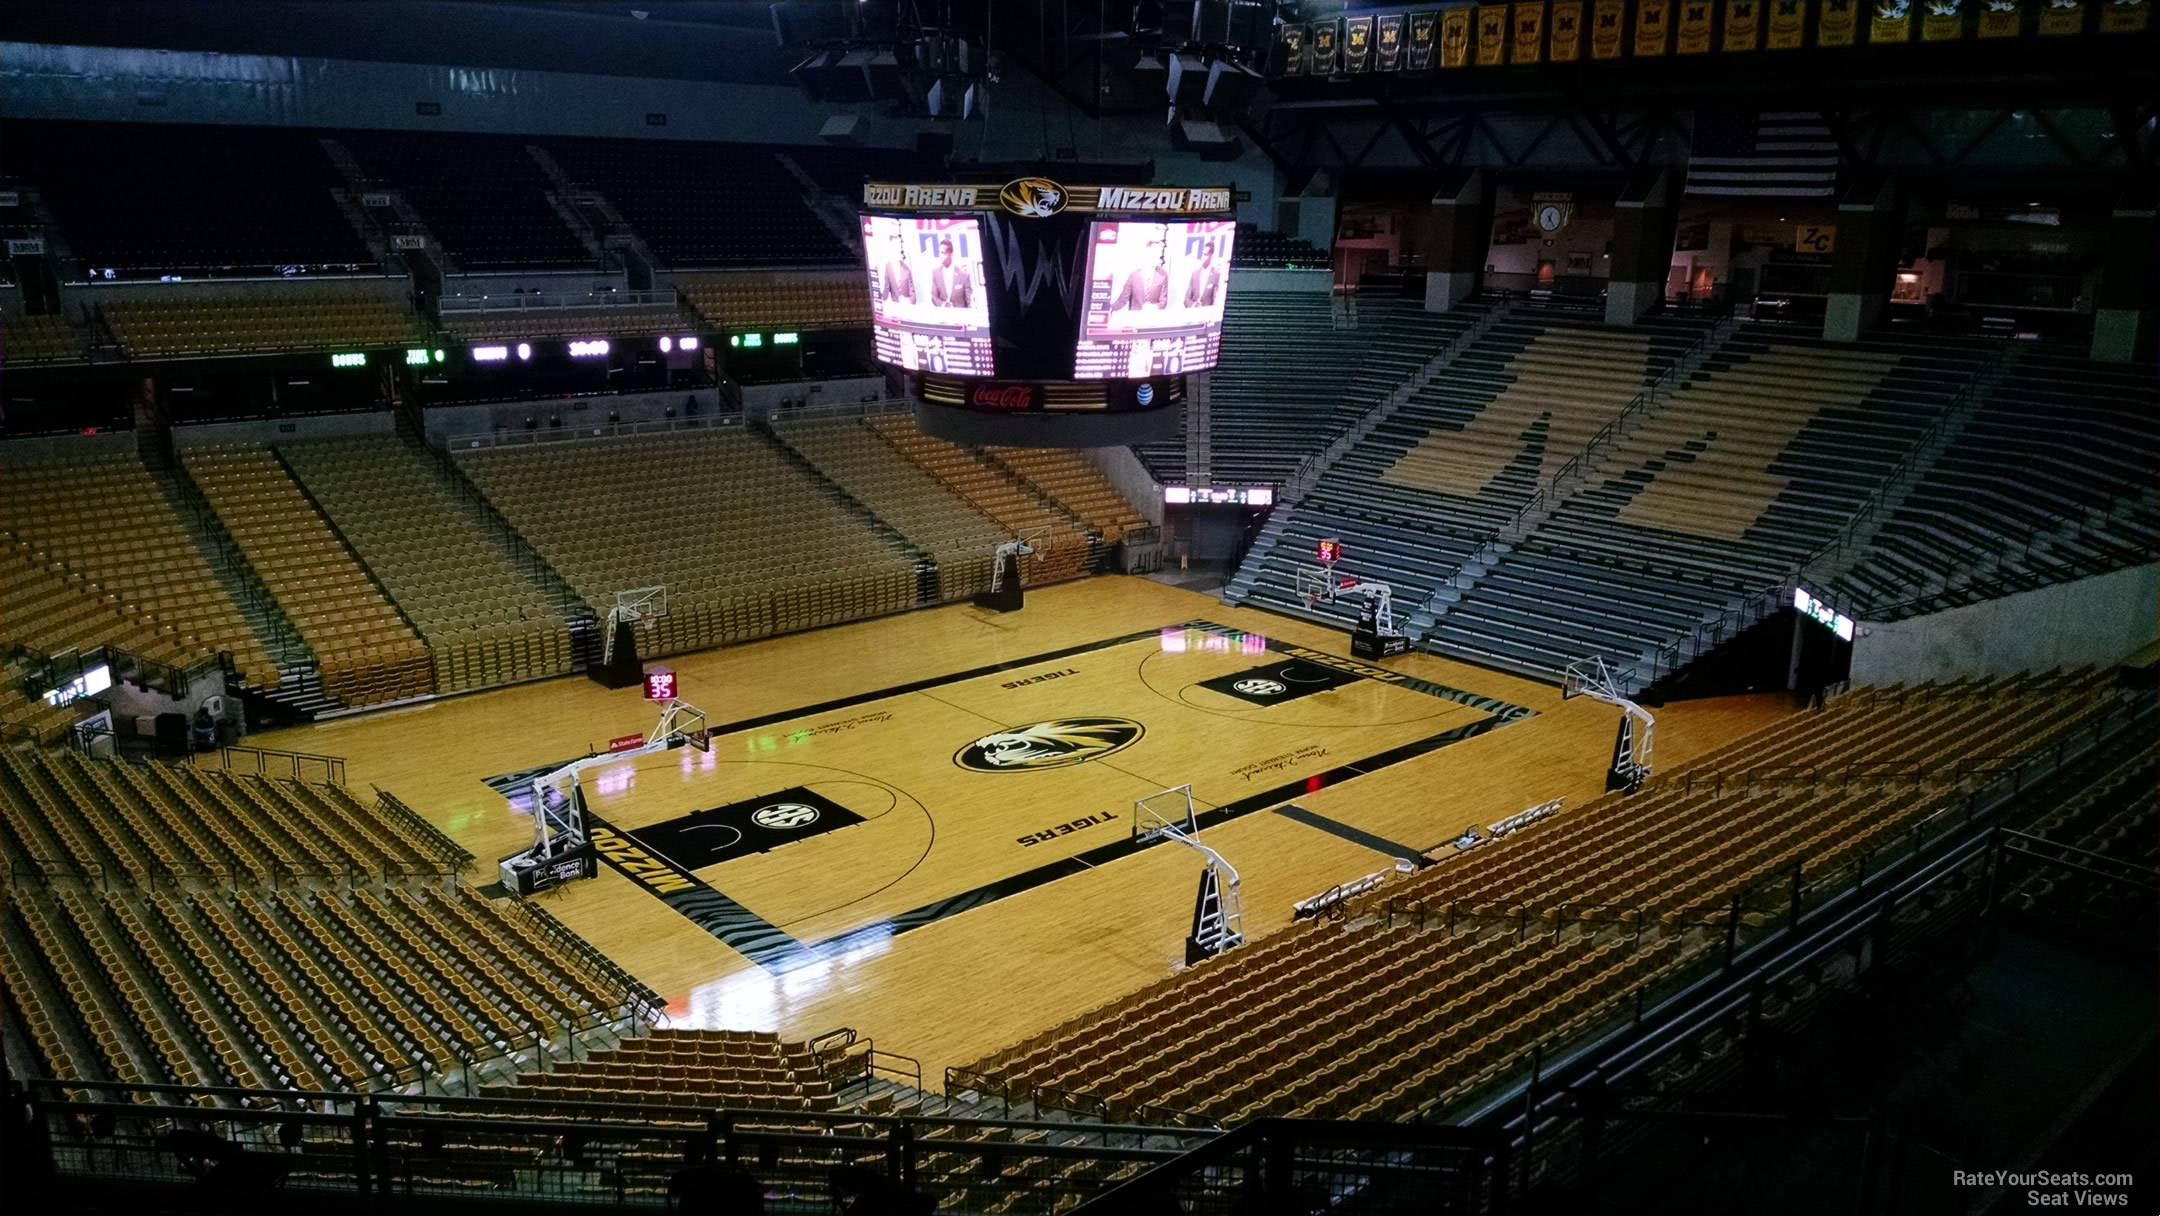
column 1002, row 396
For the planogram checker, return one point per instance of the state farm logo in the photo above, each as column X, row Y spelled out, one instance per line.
column 1002, row 396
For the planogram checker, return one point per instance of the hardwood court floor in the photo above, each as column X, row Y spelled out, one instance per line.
column 943, row 902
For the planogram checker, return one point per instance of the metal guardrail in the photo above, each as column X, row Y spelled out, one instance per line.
column 414, row 1149
column 658, row 297
column 270, row 762
column 570, row 434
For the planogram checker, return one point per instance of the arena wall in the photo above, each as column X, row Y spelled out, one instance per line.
column 282, row 430
column 2097, row 620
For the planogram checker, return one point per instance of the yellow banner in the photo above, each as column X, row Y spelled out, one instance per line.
column 2125, row 16
column 1491, row 35
column 1743, row 24
column 1944, row 21
column 2001, row 18
column 1694, row 27
column 1609, row 29
column 1454, row 37
column 1650, row 26
column 1788, row 25
column 2059, row 18
column 1566, row 31
column 1891, row 22
column 1530, row 32
column 1834, row 27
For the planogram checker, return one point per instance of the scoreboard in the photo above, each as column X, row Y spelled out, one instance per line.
column 1037, row 299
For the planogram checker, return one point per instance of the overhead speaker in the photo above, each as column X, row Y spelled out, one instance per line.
column 1230, row 85
column 1188, row 78
column 804, row 22
column 842, row 129
column 1206, row 139
column 882, row 73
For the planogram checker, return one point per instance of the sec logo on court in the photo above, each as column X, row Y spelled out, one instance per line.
column 781, row 816
column 1052, row 744
column 1261, row 688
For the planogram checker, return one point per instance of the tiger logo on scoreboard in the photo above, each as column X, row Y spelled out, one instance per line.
column 1033, row 198
column 1053, row 744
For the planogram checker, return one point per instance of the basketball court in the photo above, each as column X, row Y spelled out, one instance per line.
column 926, row 826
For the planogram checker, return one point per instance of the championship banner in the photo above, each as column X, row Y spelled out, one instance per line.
column 1424, row 33
column 1293, row 49
column 2125, row 16
column 1530, row 32
column 1650, row 27
column 1389, row 31
column 1788, row 25
column 1891, row 21
column 1607, row 30
column 1944, row 21
column 1323, row 47
column 1566, row 31
column 2059, row 18
column 1357, row 44
column 1834, row 27
column 1040, row 198
column 1743, row 23
column 1455, row 37
column 2001, row 18
column 1492, row 27
column 1694, row 27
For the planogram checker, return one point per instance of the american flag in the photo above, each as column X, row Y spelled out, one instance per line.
column 1784, row 154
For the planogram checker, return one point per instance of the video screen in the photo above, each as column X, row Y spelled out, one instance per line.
column 927, row 301
column 1155, row 298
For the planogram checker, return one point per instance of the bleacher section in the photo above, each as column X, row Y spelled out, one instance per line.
column 1528, row 939
column 47, row 608
column 959, row 538
column 2054, row 472
column 482, row 196
column 1066, row 478
column 1413, row 500
column 1062, row 550
column 750, row 301
column 101, row 521
column 687, row 1068
column 1273, row 249
column 1279, row 392
column 747, row 543
column 1730, row 484
column 704, row 205
column 167, row 198
column 23, row 716
column 484, row 623
column 265, row 318
column 42, row 338
column 247, row 931
column 366, row 652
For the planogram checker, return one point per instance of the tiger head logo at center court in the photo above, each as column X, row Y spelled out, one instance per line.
column 1052, row 744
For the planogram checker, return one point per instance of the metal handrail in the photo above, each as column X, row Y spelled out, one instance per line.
column 605, row 430
column 658, row 297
